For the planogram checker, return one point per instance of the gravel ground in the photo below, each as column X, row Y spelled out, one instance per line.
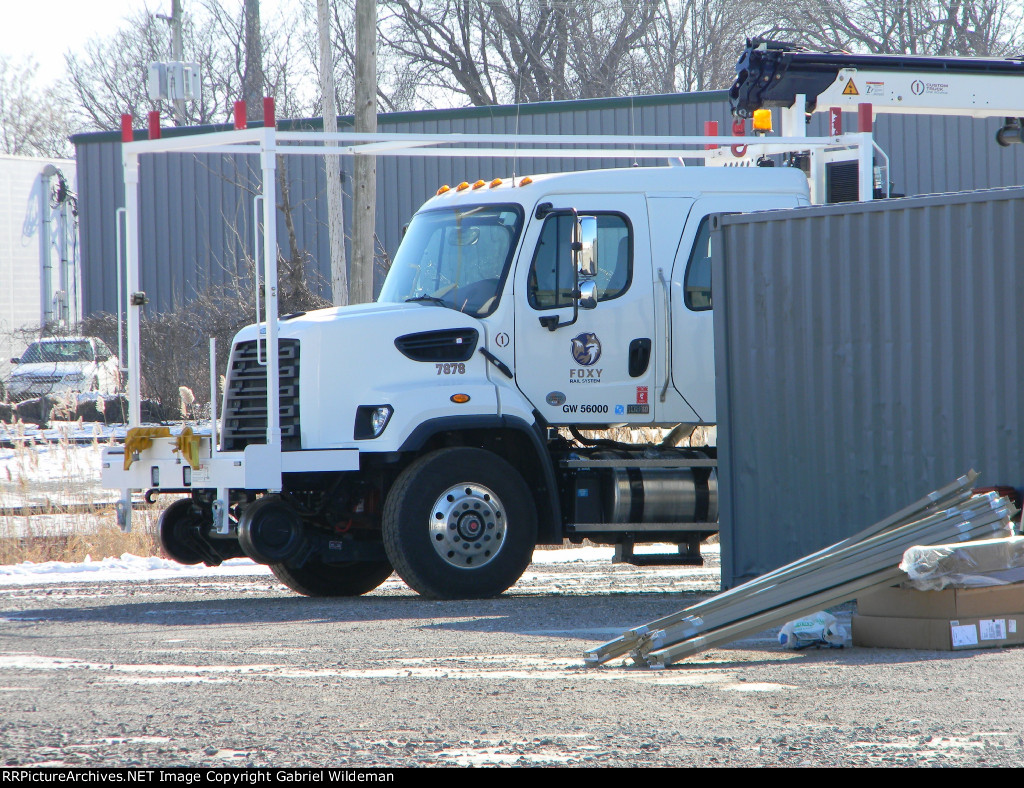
column 239, row 671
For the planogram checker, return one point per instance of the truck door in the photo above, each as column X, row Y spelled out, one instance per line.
column 693, row 349
column 599, row 369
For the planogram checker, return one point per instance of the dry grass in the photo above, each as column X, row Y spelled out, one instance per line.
column 96, row 537
column 71, row 517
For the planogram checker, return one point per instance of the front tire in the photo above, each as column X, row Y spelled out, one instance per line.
column 459, row 523
column 352, row 578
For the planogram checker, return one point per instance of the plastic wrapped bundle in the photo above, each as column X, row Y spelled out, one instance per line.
column 986, row 562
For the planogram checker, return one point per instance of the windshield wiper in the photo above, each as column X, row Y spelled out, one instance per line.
column 430, row 298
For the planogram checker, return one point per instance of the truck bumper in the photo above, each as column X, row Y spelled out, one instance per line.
column 258, row 467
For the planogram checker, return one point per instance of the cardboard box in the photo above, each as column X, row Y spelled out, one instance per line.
column 949, row 603
column 938, row 634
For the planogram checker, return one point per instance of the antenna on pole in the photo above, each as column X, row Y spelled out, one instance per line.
column 174, row 80
column 632, row 131
column 515, row 147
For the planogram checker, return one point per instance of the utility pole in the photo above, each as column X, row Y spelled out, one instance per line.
column 364, row 197
column 252, row 81
column 335, row 207
column 176, row 55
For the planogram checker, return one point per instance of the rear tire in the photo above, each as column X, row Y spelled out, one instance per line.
column 459, row 523
column 348, row 579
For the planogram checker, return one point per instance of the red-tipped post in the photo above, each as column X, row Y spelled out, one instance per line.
column 864, row 112
column 127, row 134
column 240, row 122
column 154, row 124
column 835, row 121
column 710, row 130
column 269, row 119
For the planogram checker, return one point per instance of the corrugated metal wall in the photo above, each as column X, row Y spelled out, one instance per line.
column 187, row 243
column 866, row 354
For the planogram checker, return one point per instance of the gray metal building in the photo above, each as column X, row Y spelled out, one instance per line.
column 866, row 355
column 196, row 223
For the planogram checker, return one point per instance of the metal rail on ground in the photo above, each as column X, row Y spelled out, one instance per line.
column 830, row 576
column 948, row 495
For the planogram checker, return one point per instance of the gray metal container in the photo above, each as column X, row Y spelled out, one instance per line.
column 865, row 354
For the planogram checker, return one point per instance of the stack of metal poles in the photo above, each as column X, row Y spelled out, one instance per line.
column 831, row 576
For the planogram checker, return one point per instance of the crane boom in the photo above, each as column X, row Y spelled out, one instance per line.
column 774, row 74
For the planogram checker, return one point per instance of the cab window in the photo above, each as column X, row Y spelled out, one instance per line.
column 697, row 283
column 551, row 272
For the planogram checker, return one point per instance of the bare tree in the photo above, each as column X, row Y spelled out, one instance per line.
column 399, row 80
column 252, row 76
column 494, row 51
column 34, row 120
column 109, row 76
column 364, row 193
column 332, row 163
column 712, row 33
column 918, row 27
column 445, row 39
column 601, row 42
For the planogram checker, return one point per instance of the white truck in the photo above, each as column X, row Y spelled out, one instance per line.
column 420, row 433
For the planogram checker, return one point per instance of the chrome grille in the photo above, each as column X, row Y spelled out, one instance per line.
column 245, row 402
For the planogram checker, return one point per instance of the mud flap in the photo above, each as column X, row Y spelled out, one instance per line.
column 124, row 512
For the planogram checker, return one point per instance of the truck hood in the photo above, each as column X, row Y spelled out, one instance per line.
column 370, row 322
column 348, row 358
column 52, row 368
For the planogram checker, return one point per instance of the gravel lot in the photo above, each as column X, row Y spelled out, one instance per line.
column 239, row 671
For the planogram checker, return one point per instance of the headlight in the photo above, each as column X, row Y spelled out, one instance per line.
column 371, row 420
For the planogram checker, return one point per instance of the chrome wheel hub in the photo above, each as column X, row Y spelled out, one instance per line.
column 467, row 525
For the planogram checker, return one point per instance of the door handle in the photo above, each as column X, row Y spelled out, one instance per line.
column 639, row 356
column 668, row 332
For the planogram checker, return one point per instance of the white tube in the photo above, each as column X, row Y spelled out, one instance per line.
column 131, row 203
column 269, row 162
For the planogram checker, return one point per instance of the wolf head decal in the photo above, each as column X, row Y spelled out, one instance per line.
column 586, row 349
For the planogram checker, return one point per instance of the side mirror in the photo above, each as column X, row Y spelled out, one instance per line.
column 586, row 246
column 15, row 360
column 588, row 294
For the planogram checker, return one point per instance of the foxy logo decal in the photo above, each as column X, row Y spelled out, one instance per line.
column 586, row 349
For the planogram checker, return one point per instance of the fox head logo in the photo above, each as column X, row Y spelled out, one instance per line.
column 586, row 349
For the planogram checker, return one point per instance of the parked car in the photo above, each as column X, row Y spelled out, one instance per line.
column 64, row 365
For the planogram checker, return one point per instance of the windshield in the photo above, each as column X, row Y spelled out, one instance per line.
column 73, row 350
column 455, row 257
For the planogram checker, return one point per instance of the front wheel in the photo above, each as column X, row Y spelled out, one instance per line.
column 459, row 523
